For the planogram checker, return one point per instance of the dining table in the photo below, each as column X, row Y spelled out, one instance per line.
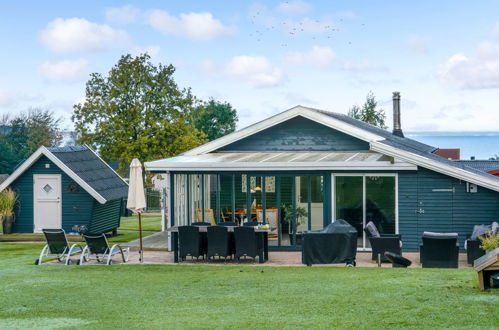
column 261, row 233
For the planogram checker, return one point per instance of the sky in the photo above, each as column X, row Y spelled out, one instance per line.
column 266, row 57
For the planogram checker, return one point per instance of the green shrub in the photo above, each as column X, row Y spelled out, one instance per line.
column 489, row 242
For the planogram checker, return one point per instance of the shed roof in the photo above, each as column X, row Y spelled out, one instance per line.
column 84, row 166
column 93, row 170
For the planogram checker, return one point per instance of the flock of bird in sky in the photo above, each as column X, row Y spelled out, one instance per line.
column 292, row 28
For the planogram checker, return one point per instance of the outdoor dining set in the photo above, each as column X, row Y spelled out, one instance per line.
column 224, row 240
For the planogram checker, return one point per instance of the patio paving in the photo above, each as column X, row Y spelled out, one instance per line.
column 155, row 245
column 284, row 259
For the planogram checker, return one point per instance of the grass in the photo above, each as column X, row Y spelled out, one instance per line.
column 128, row 231
column 183, row 296
column 151, row 223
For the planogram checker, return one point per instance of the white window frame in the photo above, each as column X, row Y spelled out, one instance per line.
column 363, row 175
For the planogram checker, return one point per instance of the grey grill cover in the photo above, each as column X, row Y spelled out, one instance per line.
column 336, row 243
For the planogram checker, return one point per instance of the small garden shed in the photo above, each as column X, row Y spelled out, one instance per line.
column 66, row 186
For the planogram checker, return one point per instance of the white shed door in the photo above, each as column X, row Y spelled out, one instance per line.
column 47, row 201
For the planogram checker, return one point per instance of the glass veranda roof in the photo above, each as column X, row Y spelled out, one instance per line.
column 282, row 161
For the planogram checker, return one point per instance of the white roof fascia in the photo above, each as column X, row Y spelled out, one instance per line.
column 44, row 151
column 282, row 117
column 436, row 166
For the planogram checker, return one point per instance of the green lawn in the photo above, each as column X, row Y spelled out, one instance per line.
column 151, row 223
column 182, row 296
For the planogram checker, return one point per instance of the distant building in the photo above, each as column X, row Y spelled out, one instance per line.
column 449, row 153
column 488, row 166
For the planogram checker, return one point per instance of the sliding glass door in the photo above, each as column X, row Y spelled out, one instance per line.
column 360, row 198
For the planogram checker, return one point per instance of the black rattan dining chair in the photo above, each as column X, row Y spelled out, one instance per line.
column 248, row 243
column 219, row 242
column 191, row 242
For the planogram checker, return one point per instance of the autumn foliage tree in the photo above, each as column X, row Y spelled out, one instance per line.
column 136, row 110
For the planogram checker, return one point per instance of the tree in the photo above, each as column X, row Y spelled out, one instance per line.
column 369, row 112
column 32, row 129
column 137, row 110
column 24, row 134
column 215, row 119
column 495, row 157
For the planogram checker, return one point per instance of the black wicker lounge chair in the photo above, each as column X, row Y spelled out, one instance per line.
column 57, row 247
column 219, row 242
column 248, row 243
column 381, row 243
column 191, row 242
column 397, row 260
column 439, row 250
column 98, row 247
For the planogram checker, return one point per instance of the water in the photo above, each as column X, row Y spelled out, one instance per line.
column 482, row 145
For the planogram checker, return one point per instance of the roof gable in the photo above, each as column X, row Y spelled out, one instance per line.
column 82, row 165
column 309, row 113
column 298, row 134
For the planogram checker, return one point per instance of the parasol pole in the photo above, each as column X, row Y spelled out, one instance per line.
column 141, row 253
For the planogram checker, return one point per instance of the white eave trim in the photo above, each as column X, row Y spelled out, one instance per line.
column 45, row 152
column 282, row 117
column 280, row 166
column 436, row 166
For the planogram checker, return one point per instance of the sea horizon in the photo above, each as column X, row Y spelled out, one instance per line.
column 481, row 145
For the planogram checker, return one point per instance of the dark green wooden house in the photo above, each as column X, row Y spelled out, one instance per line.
column 329, row 166
column 64, row 187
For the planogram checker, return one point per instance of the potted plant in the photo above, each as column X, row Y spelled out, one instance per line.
column 301, row 218
column 8, row 199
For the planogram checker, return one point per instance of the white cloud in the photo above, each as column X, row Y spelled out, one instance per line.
column 6, row 99
column 256, row 70
column 361, row 67
column 123, row 15
column 153, row 51
column 293, row 7
column 480, row 71
column 495, row 32
column 80, row 35
column 418, row 44
column 318, row 56
column 199, row 26
column 473, row 73
column 66, row 70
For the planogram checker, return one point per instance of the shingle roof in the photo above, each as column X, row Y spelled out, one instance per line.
column 401, row 142
column 407, row 144
column 91, row 169
column 481, row 165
